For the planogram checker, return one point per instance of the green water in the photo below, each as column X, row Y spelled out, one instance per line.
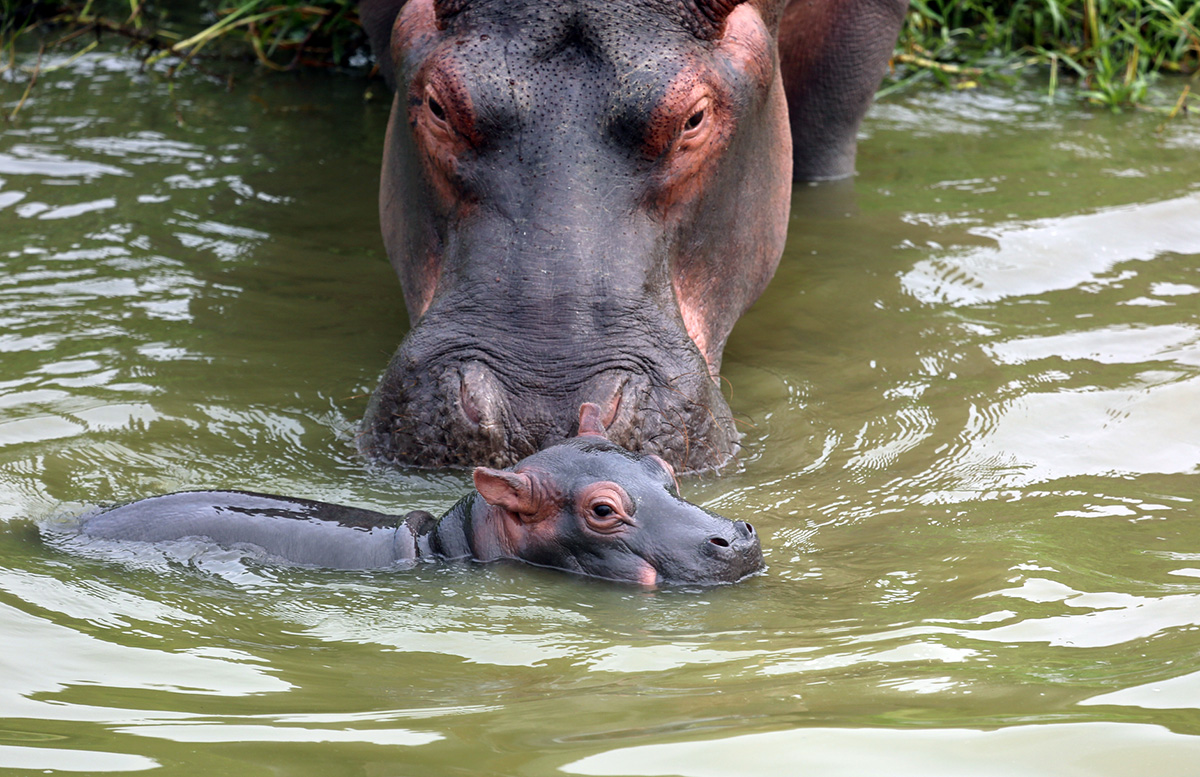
column 971, row 400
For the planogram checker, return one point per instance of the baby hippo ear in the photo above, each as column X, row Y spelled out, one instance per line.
column 667, row 466
column 512, row 491
column 591, row 421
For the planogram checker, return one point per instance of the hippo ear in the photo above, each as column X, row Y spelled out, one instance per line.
column 710, row 15
column 444, row 10
column 667, row 466
column 512, row 491
column 591, row 421
column 378, row 18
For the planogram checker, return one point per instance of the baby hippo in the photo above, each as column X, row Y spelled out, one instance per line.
column 585, row 506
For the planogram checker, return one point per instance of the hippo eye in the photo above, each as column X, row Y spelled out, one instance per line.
column 606, row 508
column 439, row 117
column 436, row 109
column 606, row 519
column 695, row 129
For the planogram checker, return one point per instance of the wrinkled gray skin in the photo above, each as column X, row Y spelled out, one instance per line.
column 559, row 237
column 668, row 540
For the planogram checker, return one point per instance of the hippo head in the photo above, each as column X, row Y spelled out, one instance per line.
column 580, row 198
column 593, row 508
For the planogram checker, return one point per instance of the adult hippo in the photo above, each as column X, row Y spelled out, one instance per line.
column 581, row 197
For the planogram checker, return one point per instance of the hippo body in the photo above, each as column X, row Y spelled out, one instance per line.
column 585, row 506
column 581, row 197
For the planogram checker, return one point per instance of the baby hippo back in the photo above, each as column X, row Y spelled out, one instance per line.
column 299, row 530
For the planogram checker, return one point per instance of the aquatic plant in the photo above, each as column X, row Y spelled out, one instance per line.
column 281, row 34
column 1112, row 49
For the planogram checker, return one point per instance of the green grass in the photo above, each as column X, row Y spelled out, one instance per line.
column 280, row 34
column 1107, row 52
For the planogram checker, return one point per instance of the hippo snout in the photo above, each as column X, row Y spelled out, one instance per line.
column 737, row 548
column 743, row 535
column 706, row 548
column 448, row 413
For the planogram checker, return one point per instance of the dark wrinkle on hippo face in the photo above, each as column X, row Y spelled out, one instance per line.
column 580, row 198
column 590, row 507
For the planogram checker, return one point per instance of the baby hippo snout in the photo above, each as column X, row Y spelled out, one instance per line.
column 737, row 546
column 743, row 533
column 738, row 538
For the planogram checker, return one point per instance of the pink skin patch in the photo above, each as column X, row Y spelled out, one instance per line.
column 691, row 308
column 431, row 275
column 441, row 119
column 746, row 46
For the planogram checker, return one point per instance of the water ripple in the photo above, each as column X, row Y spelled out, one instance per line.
column 1053, row 254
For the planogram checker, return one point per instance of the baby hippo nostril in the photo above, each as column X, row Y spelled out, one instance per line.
column 719, row 541
column 749, row 528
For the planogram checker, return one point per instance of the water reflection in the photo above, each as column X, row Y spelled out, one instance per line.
column 1062, row 253
column 1088, row 748
column 1176, row 693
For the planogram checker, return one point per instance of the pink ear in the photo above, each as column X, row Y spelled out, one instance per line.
column 512, row 491
column 667, row 466
column 711, row 15
column 590, row 420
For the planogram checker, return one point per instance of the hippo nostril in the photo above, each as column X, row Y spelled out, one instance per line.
column 606, row 392
column 480, row 396
column 719, row 541
column 750, row 528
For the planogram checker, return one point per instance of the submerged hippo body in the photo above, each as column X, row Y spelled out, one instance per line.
column 581, row 197
column 584, row 506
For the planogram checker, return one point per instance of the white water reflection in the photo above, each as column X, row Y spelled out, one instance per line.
column 143, row 147
column 1110, row 618
column 917, row 653
column 1175, row 693
column 1055, row 254
column 30, row 160
column 234, row 732
column 57, row 759
column 661, row 658
column 34, row 677
column 1062, row 750
column 1041, row 437
column 442, row 630
column 1122, row 344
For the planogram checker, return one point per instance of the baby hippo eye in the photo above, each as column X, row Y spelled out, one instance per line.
column 606, row 508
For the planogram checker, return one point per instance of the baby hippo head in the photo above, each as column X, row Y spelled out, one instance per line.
column 590, row 507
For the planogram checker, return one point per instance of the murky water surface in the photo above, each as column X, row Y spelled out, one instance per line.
column 972, row 409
